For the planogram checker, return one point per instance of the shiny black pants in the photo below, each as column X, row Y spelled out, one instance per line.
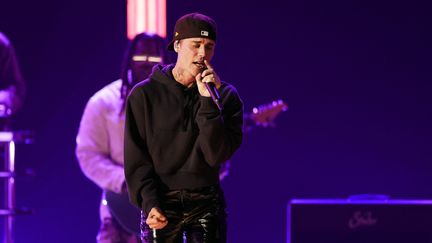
column 193, row 216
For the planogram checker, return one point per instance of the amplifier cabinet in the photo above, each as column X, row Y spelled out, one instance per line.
column 359, row 221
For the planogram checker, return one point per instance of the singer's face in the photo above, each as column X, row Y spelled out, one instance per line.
column 192, row 52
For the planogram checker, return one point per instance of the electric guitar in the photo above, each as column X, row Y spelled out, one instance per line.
column 129, row 217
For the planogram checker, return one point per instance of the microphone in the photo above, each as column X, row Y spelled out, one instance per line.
column 211, row 87
column 154, row 235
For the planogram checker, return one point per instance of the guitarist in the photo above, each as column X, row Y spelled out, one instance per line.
column 99, row 143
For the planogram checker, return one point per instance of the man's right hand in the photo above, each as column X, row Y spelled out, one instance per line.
column 155, row 219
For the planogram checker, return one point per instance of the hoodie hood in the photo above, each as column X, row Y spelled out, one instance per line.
column 163, row 74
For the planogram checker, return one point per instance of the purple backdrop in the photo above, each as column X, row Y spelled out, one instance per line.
column 356, row 75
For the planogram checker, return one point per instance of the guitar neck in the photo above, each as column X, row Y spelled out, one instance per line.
column 264, row 115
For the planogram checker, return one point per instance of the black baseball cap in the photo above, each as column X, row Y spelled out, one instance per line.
column 193, row 25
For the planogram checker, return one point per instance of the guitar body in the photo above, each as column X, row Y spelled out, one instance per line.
column 127, row 215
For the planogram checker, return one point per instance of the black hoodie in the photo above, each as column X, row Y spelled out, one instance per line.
column 175, row 138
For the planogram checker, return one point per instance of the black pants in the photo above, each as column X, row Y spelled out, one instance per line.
column 194, row 215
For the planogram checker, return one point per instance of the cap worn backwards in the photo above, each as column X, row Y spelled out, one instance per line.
column 193, row 25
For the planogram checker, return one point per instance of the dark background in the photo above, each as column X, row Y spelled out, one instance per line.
column 356, row 75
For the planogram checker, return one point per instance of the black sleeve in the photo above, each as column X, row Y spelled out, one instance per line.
column 221, row 133
column 138, row 165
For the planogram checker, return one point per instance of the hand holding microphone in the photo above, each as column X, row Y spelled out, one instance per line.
column 208, row 83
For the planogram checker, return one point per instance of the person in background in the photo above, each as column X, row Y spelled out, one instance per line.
column 177, row 138
column 99, row 143
column 12, row 85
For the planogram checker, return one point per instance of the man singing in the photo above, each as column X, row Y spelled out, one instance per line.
column 176, row 139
